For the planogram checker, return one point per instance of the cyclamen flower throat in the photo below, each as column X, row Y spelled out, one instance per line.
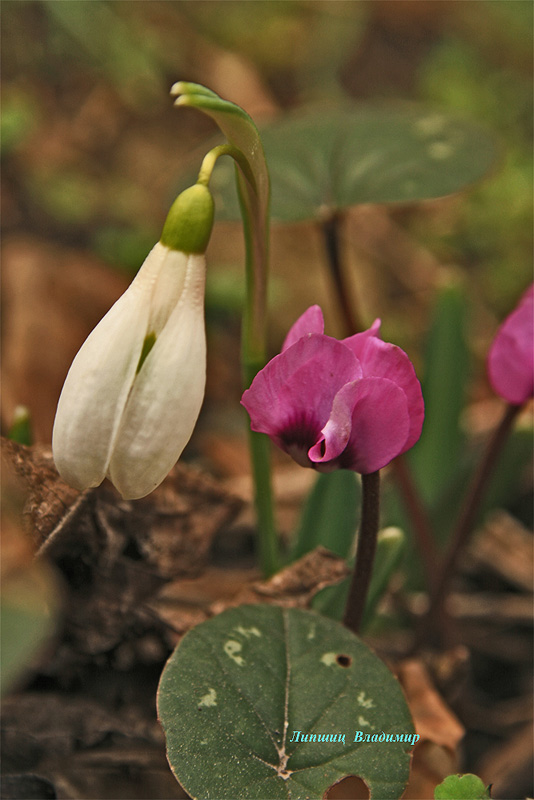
column 350, row 404
column 511, row 356
column 134, row 391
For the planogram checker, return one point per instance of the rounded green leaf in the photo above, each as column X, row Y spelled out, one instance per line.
column 246, row 696
column 323, row 161
column 461, row 787
column 28, row 613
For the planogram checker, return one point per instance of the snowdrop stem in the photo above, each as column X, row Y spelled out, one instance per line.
column 436, row 615
column 210, row 159
column 253, row 186
column 365, row 552
column 253, row 358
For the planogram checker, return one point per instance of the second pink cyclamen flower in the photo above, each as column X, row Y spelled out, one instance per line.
column 350, row 404
column 511, row 356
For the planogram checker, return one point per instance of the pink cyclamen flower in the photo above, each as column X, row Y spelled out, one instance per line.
column 511, row 356
column 350, row 404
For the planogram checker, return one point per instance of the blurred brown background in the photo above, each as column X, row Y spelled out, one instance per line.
column 93, row 153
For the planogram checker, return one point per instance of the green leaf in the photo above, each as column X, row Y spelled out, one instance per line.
column 509, row 482
column 329, row 159
column 461, row 787
column 436, row 455
column 29, row 606
column 330, row 515
column 239, row 687
column 21, row 426
column 112, row 45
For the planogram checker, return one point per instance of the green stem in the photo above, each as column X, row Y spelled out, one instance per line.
column 253, row 337
column 365, row 553
column 253, row 188
column 210, row 159
column 436, row 618
column 253, row 358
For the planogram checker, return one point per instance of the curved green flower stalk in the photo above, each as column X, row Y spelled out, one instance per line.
column 253, row 188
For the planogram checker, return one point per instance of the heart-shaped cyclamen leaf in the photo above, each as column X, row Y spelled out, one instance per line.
column 267, row 702
column 329, row 159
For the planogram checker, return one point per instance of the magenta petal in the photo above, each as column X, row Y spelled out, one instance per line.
column 291, row 398
column 336, row 433
column 310, row 322
column 380, row 425
column 383, row 360
column 511, row 357
column 357, row 342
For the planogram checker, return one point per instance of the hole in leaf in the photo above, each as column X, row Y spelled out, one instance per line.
column 344, row 661
column 349, row 788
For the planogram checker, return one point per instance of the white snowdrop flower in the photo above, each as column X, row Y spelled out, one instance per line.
column 134, row 391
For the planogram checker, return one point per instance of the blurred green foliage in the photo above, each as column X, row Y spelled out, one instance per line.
column 488, row 76
column 476, row 61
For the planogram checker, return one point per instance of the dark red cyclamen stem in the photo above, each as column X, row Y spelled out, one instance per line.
column 419, row 517
column 418, row 514
column 330, row 228
column 436, row 615
column 365, row 553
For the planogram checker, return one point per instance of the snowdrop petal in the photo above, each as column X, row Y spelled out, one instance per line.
column 98, row 383
column 167, row 394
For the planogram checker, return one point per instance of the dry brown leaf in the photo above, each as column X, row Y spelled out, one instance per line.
column 87, row 751
column 296, row 585
column 48, row 498
column 435, row 754
column 172, row 528
column 115, row 555
column 185, row 604
column 508, row 766
column 505, row 547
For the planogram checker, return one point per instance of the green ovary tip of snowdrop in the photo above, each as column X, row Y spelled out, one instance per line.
column 134, row 391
